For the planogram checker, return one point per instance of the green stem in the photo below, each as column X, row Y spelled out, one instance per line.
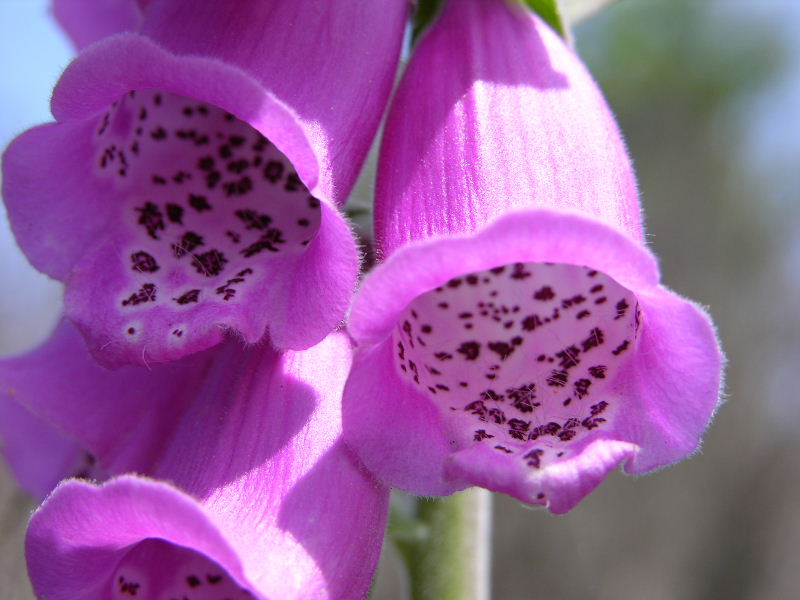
column 451, row 561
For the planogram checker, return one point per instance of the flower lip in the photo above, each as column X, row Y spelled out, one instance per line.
column 208, row 211
column 155, row 568
column 521, row 357
column 629, row 418
column 538, row 236
column 104, row 524
column 70, row 230
column 111, row 68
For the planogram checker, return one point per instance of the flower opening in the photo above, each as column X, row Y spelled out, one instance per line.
column 206, row 203
column 159, row 570
column 519, row 356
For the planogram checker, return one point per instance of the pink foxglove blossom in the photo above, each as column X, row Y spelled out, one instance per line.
column 191, row 181
column 249, row 490
column 516, row 335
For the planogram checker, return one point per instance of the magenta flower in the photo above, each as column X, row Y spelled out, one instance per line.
column 258, row 496
column 191, row 181
column 516, row 336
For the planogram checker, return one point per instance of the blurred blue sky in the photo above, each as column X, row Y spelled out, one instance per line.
column 33, row 52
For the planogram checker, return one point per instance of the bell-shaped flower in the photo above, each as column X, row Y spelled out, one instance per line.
column 246, row 488
column 191, row 181
column 516, row 335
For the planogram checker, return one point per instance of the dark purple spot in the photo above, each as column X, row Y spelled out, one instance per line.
column 621, row 348
column 557, row 379
column 188, row 297
column 199, row 203
column 522, row 397
column 293, row 183
column 151, row 219
column 267, row 241
column 567, row 435
column 144, row 262
column 189, row 241
column 622, row 308
column 598, row 372
column 175, row 213
column 502, row 349
column 146, row 293
column 206, row 163
column 519, row 272
column 209, row 263
column 470, row 350
column 594, row 340
column 534, row 458
column 480, row 435
column 253, row 219
column 531, row 322
column 518, row 429
column 273, row 171
column 568, row 357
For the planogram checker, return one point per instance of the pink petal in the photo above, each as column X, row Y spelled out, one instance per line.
column 262, row 481
column 86, row 21
column 332, row 64
column 679, row 363
column 122, row 417
column 559, row 238
column 510, row 124
column 37, row 453
column 399, row 435
column 206, row 233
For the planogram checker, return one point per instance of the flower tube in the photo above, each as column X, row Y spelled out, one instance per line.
column 86, row 21
column 191, row 181
column 247, row 489
column 516, row 335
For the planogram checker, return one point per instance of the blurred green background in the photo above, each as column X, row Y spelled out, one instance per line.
column 707, row 93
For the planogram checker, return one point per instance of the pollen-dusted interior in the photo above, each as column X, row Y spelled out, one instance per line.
column 158, row 570
column 518, row 356
column 208, row 199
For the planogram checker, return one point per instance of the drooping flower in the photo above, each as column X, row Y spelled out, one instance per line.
column 247, row 489
column 191, row 181
column 516, row 335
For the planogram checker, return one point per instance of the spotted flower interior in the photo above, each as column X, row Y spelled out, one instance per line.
column 208, row 203
column 520, row 356
column 158, row 570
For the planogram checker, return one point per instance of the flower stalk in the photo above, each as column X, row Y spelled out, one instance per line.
column 451, row 561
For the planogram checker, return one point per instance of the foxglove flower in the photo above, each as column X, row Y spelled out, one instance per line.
column 249, row 491
column 516, row 336
column 191, row 181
